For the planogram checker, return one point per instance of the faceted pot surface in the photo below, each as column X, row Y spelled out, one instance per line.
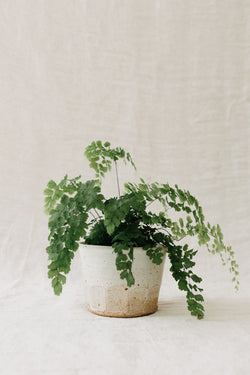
column 106, row 294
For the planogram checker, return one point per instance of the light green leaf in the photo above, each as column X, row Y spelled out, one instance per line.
column 48, row 192
column 51, row 184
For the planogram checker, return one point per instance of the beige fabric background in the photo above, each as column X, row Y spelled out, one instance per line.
column 168, row 80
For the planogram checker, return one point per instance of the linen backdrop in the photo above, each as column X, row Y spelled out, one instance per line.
column 169, row 81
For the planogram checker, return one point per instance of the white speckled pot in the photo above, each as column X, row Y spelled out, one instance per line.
column 106, row 294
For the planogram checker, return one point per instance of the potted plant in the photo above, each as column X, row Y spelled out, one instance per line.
column 123, row 243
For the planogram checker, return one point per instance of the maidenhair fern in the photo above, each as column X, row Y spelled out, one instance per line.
column 79, row 212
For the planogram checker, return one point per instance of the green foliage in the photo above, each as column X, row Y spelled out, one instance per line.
column 101, row 157
column 181, row 263
column 67, row 225
column 78, row 211
column 98, row 234
column 116, row 210
column 54, row 192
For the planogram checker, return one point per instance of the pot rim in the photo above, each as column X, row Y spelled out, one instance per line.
column 82, row 244
column 102, row 246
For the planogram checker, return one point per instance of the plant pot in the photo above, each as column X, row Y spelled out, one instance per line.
column 106, row 294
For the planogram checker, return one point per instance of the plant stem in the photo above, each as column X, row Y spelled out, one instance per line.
column 97, row 213
column 92, row 215
column 167, row 231
column 151, row 202
column 181, row 238
column 117, row 179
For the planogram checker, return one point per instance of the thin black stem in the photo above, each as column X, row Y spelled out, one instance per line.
column 151, row 202
column 164, row 206
column 97, row 213
column 117, row 179
column 167, row 231
column 172, row 234
column 211, row 234
column 179, row 239
column 92, row 215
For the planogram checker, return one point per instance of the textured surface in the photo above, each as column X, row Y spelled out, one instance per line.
column 104, row 291
column 169, row 81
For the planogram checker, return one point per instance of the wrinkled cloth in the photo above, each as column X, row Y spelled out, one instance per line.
column 169, row 82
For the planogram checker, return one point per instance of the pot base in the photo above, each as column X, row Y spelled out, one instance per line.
column 121, row 314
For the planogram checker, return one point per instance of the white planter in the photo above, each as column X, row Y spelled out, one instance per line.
column 106, row 294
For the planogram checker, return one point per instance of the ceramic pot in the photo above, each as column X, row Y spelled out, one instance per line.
column 106, row 294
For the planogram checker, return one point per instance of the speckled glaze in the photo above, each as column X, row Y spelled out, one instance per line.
column 106, row 294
